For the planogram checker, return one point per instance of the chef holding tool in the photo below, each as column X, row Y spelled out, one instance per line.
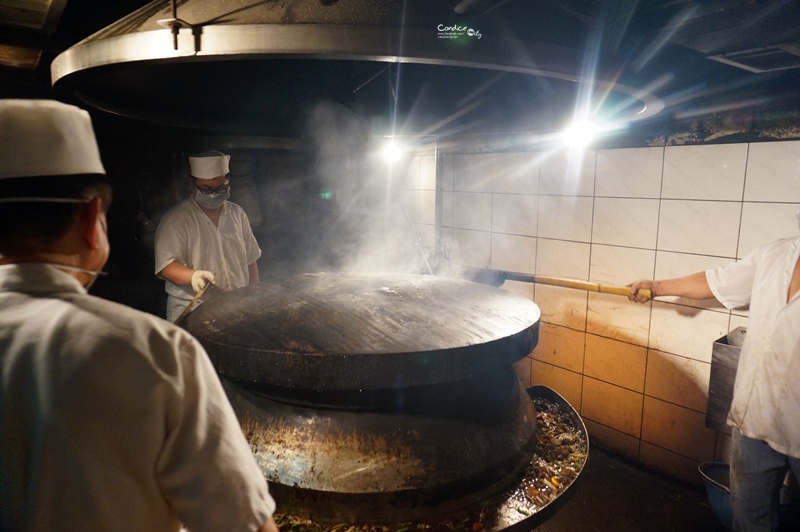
column 205, row 240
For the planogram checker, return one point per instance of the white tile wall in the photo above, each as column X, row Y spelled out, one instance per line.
column 615, row 265
column 472, row 210
column 668, row 462
column 447, row 177
column 409, row 202
column 701, row 227
column 765, row 222
column 567, row 173
column 515, row 214
column 679, row 380
column 516, row 173
column 669, row 264
column 427, row 207
column 448, row 206
column 615, row 362
column 560, row 258
column 473, row 172
column 609, row 438
column 630, row 173
column 677, row 429
column 560, row 346
column 638, row 374
column 686, row 331
column 773, row 172
column 410, row 178
column 615, row 317
column 472, row 248
column 427, row 172
column 565, row 218
column 518, row 287
column 513, row 253
column 561, row 306
column 714, row 173
column 625, row 222
column 567, row 383
column 612, row 406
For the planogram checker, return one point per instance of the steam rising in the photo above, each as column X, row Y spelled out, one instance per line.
column 368, row 214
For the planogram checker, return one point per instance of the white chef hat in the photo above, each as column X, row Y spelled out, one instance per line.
column 209, row 164
column 46, row 138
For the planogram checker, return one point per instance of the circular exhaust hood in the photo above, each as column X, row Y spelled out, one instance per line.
column 255, row 67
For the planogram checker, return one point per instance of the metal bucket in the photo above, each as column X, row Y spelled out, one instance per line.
column 717, row 480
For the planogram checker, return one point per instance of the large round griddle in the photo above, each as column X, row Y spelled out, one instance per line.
column 423, row 452
column 355, row 331
column 376, row 396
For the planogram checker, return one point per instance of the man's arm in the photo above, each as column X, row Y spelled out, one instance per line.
column 694, row 286
column 177, row 273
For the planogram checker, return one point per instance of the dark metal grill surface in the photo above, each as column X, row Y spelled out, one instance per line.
column 353, row 331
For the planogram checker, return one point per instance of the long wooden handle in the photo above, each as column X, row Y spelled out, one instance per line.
column 573, row 283
column 188, row 308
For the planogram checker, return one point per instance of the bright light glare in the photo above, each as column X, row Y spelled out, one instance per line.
column 579, row 134
column 391, row 153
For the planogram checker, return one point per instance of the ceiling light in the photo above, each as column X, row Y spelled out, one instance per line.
column 391, row 152
column 579, row 134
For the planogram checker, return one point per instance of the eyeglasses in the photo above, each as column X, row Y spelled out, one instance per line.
column 222, row 189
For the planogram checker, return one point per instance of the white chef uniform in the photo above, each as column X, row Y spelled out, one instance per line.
column 187, row 235
column 113, row 419
column 766, row 395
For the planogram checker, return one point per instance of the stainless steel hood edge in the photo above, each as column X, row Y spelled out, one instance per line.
column 242, row 41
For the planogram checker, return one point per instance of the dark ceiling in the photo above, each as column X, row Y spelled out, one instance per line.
column 698, row 58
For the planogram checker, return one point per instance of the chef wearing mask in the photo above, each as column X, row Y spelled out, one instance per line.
column 205, row 239
column 110, row 418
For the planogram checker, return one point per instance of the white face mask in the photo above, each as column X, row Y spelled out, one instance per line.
column 211, row 201
column 94, row 274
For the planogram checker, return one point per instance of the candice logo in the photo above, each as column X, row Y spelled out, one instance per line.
column 455, row 31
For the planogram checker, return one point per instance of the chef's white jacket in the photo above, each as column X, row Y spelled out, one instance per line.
column 187, row 235
column 766, row 394
column 113, row 419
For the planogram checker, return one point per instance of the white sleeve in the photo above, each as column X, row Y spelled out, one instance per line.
column 732, row 284
column 250, row 243
column 170, row 242
column 206, row 456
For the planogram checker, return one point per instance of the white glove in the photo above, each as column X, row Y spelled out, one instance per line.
column 200, row 279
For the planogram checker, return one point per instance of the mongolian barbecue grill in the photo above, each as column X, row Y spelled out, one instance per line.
column 377, row 396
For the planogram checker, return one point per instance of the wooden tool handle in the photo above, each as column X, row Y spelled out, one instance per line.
column 574, row 283
column 188, row 308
